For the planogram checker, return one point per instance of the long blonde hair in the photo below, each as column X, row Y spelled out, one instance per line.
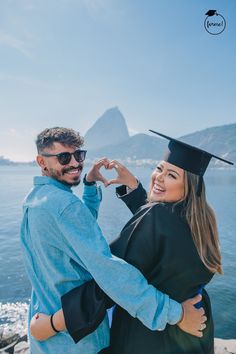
column 202, row 222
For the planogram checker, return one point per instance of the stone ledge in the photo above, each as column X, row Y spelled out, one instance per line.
column 225, row 346
column 21, row 346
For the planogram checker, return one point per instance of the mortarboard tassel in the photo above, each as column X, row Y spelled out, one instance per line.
column 199, row 187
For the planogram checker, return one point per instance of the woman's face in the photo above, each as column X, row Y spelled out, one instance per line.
column 167, row 183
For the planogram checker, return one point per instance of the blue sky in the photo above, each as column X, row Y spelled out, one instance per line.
column 64, row 62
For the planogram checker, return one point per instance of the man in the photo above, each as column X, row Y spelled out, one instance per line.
column 64, row 247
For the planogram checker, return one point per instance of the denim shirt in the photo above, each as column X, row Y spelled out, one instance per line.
column 64, row 247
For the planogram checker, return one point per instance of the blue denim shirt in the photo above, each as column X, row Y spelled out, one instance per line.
column 64, row 247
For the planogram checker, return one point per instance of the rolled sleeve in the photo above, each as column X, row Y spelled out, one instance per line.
column 92, row 197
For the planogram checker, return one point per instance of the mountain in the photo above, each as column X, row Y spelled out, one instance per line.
column 220, row 141
column 217, row 140
column 109, row 129
column 139, row 146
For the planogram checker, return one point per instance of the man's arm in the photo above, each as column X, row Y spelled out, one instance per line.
column 122, row 282
column 92, row 197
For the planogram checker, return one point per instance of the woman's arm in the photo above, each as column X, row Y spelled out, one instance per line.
column 41, row 327
column 83, row 309
column 131, row 191
column 134, row 199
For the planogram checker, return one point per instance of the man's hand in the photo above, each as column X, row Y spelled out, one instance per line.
column 94, row 173
column 124, row 176
column 193, row 321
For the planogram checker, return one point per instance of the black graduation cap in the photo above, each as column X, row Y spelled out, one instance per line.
column 211, row 13
column 188, row 157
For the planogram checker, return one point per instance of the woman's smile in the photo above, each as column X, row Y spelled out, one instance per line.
column 157, row 189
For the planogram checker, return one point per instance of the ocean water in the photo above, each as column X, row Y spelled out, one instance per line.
column 16, row 181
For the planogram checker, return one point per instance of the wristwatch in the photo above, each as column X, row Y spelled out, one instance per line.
column 88, row 183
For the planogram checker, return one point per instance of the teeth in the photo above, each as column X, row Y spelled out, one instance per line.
column 157, row 188
column 73, row 172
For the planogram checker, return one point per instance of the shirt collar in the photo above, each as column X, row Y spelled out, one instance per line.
column 41, row 180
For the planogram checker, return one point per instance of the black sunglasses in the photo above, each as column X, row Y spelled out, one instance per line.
column 65, row 157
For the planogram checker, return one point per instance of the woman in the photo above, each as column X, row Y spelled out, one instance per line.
column 173, row 240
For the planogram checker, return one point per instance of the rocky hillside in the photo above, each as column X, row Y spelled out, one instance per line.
column 221, row 141
column 139, row 146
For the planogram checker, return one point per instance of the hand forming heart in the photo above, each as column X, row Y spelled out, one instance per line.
column 124, row 176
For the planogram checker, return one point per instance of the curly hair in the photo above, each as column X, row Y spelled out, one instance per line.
column 64, row 136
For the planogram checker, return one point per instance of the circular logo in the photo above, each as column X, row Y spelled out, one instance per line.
column 214, row 22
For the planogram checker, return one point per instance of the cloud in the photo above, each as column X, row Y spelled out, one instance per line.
column 11, row 41
column 108, row 11
column 95, row 5
column 12, row 132
column 133, row 131
column 100, row 9
column 31, row 82
column 24, row 133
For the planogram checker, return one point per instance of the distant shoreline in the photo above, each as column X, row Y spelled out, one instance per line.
column 127, row 162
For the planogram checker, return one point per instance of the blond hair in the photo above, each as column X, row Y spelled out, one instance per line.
column 202, row 222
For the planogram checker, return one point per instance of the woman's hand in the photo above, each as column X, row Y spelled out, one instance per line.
column 124, row 176
column 41, row 328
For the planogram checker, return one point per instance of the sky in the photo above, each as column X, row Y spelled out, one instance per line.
column 65, row 62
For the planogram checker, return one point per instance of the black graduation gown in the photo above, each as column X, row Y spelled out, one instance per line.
column 158, row 241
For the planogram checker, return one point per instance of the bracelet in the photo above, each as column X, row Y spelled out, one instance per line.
column 88, row 183
column 53, row 327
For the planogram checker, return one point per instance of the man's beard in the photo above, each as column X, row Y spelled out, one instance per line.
column 72, row 184
column 58, row 174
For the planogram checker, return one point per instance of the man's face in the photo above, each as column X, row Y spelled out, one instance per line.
column 68, row 174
